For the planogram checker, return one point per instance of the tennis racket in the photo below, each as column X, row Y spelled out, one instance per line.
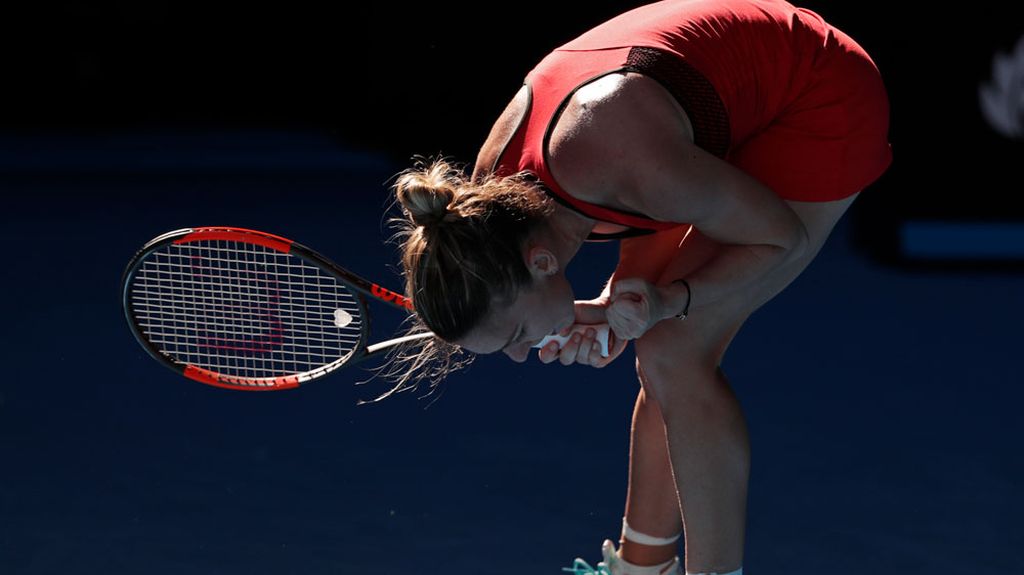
column 248, row 310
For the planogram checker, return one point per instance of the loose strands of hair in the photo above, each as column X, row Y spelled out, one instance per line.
column 411, row 363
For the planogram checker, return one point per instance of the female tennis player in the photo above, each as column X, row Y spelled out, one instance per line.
column 719, row 141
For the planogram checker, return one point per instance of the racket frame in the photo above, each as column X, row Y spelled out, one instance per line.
column 359, row 287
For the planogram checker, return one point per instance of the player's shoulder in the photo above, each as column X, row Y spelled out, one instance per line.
column 610, row 129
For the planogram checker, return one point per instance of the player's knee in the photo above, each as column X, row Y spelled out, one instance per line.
column 673, row 372
column 672, row 347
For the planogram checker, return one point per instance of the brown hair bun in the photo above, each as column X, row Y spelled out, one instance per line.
column 426, row 195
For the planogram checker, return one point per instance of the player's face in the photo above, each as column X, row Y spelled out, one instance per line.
column 540, row 310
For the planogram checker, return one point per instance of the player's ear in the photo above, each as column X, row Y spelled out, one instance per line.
column 541, row 262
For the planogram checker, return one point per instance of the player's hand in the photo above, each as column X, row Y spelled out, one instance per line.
column 636, row 305
column 583, row 348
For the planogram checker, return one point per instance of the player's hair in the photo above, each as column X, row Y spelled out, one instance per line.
column 461, row 244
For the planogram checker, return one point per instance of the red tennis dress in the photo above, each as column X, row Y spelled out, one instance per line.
column 771, row 88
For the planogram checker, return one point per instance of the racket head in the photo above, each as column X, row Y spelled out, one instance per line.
column 242, row 309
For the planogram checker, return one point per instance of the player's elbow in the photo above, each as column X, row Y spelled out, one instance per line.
column 783, row 248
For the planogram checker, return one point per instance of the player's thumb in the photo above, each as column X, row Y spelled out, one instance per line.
column 629, row 288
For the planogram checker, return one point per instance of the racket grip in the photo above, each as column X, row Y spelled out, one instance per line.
column 602, row 336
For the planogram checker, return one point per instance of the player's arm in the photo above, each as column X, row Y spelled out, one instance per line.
column 640, row 158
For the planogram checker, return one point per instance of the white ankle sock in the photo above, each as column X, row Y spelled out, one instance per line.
column 670, row 567
column 645, row 539
column 662, row 569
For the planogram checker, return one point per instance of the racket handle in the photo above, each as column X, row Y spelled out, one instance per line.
column 602, row 336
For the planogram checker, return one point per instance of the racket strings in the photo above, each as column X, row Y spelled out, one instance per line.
column 243, row 310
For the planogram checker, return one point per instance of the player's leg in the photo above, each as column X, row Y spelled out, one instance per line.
column 679, row 364
column 707, row 444
column 652, row 524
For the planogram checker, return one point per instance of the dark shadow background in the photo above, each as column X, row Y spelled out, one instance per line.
column 882, row 393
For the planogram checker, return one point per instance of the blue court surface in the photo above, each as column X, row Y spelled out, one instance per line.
column 884, row 405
